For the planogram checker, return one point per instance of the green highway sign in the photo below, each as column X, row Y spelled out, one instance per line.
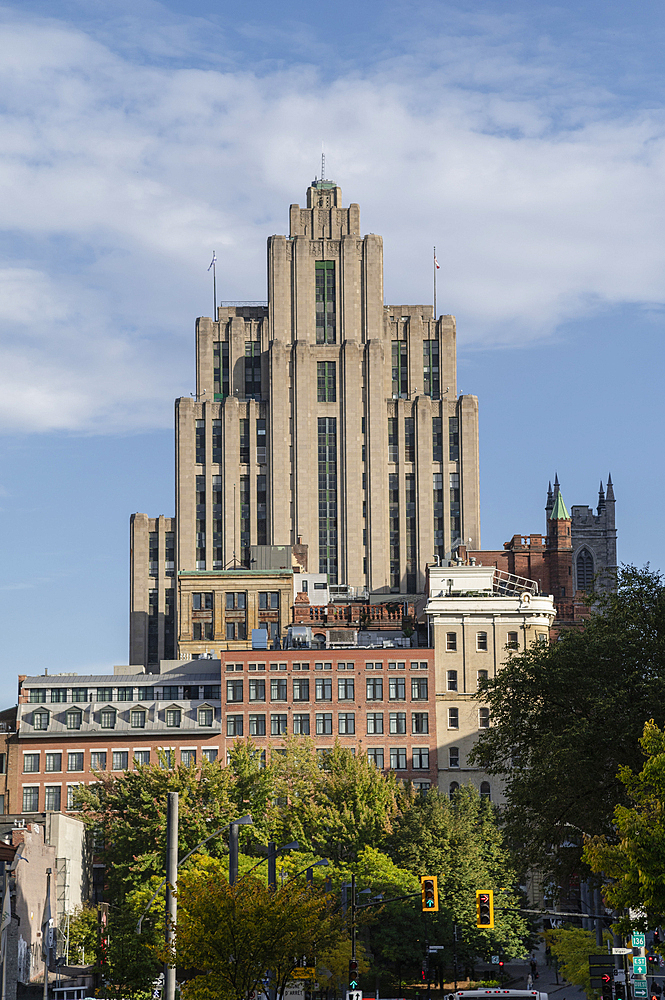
column 637, row 940
column 639, row 965
column 640, row 991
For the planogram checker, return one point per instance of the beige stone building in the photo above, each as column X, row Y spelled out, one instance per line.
column 218, row 610
column 477, row 616
column 323, row 416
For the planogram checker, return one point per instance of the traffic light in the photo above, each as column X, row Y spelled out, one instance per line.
column 353, row 974
column 485, row 908
column 429, row 894
column 601, row 973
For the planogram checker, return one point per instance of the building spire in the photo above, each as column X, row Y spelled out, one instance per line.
column 601, row 497
column 557, row 488
column 610, row 489
column 559, row 511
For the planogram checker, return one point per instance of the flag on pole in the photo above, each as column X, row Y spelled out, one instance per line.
column 5, row 919
column 437, row 265
column 213, row 261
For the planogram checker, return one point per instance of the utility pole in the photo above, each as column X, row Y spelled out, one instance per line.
column 272, row 866
column 353, row 918
column 599, row 922
column 455, row 955
column 171, row 885
column 233, row 846
column 46, row 932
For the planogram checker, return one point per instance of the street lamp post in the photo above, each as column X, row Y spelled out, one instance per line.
column 171, row 884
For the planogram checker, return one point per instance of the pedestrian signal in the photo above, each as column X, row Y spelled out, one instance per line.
column 484, row 908
column 429, row 894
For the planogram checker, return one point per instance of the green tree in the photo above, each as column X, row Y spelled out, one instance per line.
column 229, row 937
column 333, row 806
column 127, row 811
column 567, row 715
column 572, row 947
column 83, row 935
column 633, row 857
column 460, row 842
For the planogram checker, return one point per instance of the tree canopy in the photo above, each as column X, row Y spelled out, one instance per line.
column 339, row 807
column 633, row 859
column 567, row 716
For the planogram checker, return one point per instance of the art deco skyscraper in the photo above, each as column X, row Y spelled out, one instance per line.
column 323, row 416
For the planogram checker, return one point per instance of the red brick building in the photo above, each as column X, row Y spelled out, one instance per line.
column 69, row 727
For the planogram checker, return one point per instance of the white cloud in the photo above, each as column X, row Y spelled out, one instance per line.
column 544, row 203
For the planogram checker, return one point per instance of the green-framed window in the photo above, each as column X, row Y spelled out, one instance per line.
column 400, row 368
column 220, row 356
column 326, row 381
column 431, row 376
column 326, row 311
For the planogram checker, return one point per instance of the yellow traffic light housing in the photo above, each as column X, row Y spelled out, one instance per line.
column 429, row 893
column 485, row 908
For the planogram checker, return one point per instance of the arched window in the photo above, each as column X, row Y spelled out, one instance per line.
column 485, row 790
column 585, row 570
column 454, row 787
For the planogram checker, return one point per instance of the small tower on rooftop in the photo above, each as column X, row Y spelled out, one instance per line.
column 559, row 550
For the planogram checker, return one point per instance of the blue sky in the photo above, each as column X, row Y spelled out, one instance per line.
column 527, row 141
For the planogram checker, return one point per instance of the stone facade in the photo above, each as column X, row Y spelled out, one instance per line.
column 477, row 617
column 594, row 538
column 152, row 595
column 324, row 417
column 218, row 610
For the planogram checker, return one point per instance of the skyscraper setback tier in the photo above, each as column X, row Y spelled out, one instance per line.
column 323, row 416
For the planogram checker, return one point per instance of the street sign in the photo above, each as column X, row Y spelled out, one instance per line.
column 495, row 959
column 640, row 991
column 622, row 951
column 637, row 940
column 435, row 947
column 294, row 991
column 354, row 995
column 619, row 976
column 304, row 972
column 639, row 965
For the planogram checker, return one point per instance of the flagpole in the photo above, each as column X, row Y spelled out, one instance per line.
column 434, row 268
column 213, row 265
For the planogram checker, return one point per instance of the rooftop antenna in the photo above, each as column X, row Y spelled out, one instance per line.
column 323, row 164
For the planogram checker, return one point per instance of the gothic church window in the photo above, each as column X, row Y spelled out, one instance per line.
column 585, row 570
